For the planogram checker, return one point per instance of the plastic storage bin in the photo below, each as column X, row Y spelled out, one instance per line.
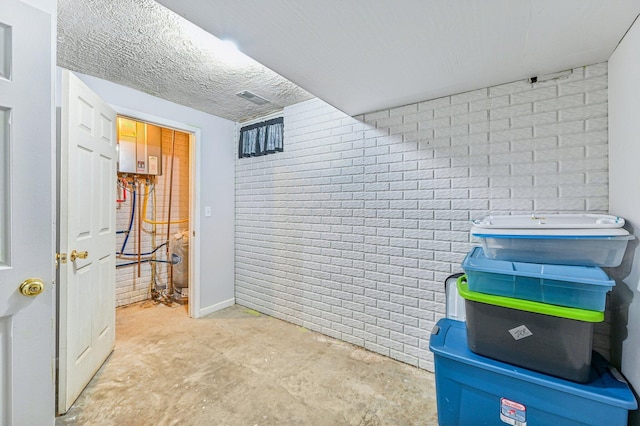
column 474, row 390
column 583, row 287
column 588, row 240
column 454, row 307
column 551, row 221
column 551, row 339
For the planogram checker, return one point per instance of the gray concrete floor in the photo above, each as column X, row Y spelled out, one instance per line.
column 239, row 367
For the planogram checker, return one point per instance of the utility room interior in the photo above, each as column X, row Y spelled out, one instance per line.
column 152, row 213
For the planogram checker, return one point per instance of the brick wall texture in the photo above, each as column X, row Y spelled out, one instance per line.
column 353, row 230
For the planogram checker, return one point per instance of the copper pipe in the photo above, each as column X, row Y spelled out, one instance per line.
column 140, row 229
column 152, row 284
column 173, row 155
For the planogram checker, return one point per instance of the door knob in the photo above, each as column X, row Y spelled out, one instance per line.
column 32, row 287
column 78, row 255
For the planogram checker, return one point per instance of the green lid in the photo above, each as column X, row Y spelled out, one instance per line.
column 528, row 305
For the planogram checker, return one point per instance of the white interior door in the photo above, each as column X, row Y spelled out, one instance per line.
column 26, row 218
column 87, row 227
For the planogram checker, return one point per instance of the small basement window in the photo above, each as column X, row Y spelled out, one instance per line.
column 262, row 138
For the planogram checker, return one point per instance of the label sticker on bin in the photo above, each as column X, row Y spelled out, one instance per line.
column 520, row 332
column 513, row 413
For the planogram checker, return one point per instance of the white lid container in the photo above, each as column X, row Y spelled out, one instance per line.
column 551, row 221
column 580, row 239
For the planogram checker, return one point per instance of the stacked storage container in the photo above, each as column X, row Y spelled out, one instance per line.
column 533, row 292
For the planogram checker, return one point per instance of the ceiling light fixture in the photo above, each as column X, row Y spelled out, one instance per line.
column 228, row 51
column 225, row 51
column 229, row 45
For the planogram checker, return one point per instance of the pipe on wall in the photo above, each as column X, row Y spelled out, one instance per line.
column 140, row 233
column 173, row 156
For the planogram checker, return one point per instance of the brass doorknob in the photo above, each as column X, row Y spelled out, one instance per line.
column 32, row 287
column 78, row 255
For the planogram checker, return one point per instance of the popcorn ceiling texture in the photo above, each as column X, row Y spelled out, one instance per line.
column 353, row 230
column 142, row 45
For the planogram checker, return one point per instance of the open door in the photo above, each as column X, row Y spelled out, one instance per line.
column 26, row 217
column 87, row 237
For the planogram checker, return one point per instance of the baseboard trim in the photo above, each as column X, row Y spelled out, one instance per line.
column 216, row 307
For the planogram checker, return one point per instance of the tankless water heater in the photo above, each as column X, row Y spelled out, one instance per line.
column 139, row 147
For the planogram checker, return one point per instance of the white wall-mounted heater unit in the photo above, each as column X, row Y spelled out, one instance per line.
column 139, row 147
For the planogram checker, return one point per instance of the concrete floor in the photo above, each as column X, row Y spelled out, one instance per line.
column 239, row 367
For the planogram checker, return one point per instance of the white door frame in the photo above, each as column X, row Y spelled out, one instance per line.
column 194, row 198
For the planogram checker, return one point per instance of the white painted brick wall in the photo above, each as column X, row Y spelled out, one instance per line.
column 353, row 229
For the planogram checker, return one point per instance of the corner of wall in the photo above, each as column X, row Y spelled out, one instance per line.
column 624, row 155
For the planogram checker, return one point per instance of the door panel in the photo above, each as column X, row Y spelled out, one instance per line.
column 5, row 366
column 87, row 224
column 5, row 244
column 105, row 202
column 5, row 51
column 26, row 220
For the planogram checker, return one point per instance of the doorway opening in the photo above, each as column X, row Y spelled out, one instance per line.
column 153, row 213
column 88, row 194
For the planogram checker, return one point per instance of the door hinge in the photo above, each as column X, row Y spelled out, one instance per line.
column 60, row 258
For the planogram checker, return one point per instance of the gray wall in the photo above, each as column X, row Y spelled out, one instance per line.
column 354, row 228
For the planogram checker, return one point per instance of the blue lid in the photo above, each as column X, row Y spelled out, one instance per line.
column 476, row 261
column 449, row 339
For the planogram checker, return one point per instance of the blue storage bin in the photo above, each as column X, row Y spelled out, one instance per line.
column 474, row 390
column 582, row 287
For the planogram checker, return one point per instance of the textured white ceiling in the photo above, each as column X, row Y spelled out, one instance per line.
column 366, row 55
column 143, row 45
column 359, row 55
